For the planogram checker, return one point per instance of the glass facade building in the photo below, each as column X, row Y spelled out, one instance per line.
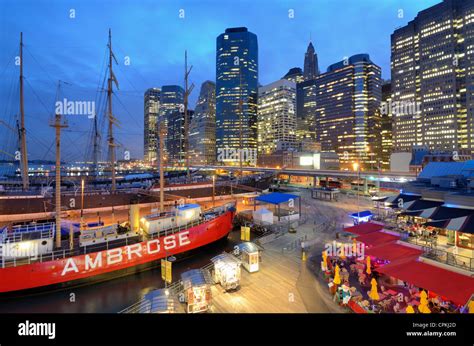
column 175, row 140
column 172, row 99
column 348, row 100
column 236, row 91
column 202, row 136
column 150, row 135
column 432, row 67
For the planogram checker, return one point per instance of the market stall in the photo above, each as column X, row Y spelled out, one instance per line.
column 197, row 291
column 226, row 271
column 249, row 255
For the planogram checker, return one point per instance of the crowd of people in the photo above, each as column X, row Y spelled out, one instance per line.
column 357, row 285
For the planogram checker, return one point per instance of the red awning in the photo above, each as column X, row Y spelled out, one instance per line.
column 456, row 287
column 364, row 228
column 394, row 252
column 377, row 238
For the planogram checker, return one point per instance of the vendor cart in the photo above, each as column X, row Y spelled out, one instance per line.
column 226, row 271
column 197, row 291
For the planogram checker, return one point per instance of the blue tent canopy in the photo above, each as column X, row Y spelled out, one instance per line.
column 276, row 197
column 365, row 213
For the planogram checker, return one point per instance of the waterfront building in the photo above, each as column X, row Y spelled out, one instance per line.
column 202, row 130
column 175, row 140
column 276, row 116
column 150, row 134
column 171, row 107
column 348, row 100
column 432, row 73
column 236, row 93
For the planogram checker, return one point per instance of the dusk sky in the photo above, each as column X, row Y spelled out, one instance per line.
column 153, row 37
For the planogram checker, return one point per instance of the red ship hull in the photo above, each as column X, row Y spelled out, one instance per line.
column 95, row 265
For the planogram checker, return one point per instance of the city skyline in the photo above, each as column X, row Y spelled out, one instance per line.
column 43, row 68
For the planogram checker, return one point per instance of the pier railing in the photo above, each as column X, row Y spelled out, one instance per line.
column 176, row 292
column 109, row 244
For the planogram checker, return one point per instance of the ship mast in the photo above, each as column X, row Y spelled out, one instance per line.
column 58, row 126
column 111, row 117
column 162, row 159
column 95, row 153
column 187, row 92
column 23, row 152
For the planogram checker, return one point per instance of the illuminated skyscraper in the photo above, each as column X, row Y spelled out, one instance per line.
column 172, row 98
column 311, row 69
column 236, row 81
column 294, row 74
column 175, row 140
column 348, row 99
column 306, row 111
column 386, row 126
column 306, row 99
column 276, row 117
column 150, row 135
column 202, row 130
column 432, row 76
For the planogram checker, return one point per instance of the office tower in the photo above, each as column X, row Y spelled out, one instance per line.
column 150, row 135
column 276, row 117
column 175, row 140
column 306, row 100
column 236, row 93
column 202, row 129
column 386, row 126
column 294, row 74
column 306, row 111
column 432, row 74
column 311, row 69
column 348, row 98
column 172, row 99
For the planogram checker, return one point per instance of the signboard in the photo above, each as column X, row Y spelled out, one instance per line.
column 166, row 271
column 245, row 233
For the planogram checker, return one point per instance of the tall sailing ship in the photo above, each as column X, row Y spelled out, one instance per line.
column 41, row 255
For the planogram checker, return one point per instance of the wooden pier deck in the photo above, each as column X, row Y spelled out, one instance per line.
column 270, row 290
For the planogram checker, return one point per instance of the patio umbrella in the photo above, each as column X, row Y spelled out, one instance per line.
column 374, row 294
column 368, row 271
column 337, row 277
column 325, row 258
column 409, row 310
column 423, row 307
column 471, row 307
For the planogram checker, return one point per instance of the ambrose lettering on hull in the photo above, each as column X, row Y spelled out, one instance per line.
column 97, row 260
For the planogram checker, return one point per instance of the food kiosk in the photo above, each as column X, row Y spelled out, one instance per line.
column 226, row 271
column 197, row 291
column 249, row 255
